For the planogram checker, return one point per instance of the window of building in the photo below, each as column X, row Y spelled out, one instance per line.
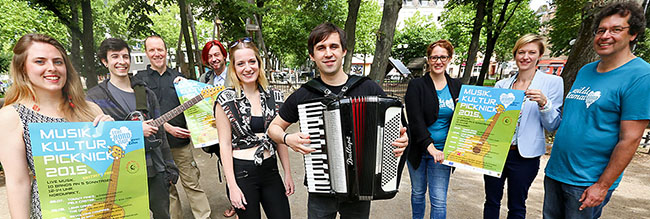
column 138, row 59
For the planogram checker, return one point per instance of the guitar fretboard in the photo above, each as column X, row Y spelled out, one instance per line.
column 174, row 112
column 112, row 185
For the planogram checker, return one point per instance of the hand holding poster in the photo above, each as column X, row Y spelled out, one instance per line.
column 84, row 171
column 200, row 118
column 482, row 128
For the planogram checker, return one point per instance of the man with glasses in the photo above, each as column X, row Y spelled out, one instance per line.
column 605, row 114
column 160, row 79
column 214, row 56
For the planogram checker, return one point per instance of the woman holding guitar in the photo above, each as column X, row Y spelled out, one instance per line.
column 46, row 88
column 243, row 113
column 541, row 110
column 430, row 102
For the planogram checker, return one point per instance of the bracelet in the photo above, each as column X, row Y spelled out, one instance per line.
column 284, row 139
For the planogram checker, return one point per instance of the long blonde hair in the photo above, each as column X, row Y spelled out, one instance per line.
column 74, row 108
column 232, row 75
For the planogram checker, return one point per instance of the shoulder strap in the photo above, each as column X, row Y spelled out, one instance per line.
column 318, row 86
column 352, row 82
column 140, row 98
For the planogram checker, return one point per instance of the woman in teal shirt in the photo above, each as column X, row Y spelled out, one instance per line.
column 430, row 104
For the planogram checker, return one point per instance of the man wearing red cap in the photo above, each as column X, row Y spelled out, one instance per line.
column 214, row 56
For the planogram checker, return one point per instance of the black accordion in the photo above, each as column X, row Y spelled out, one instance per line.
column 352, row 136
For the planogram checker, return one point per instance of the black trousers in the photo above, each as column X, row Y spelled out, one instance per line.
column 261, row 185
column 159, row 195
column 520, row 173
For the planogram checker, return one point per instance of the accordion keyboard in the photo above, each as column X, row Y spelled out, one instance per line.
column 316, row 168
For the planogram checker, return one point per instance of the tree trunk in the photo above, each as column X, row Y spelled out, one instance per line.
column 350, row 32
column 198, row 60
column 88, row 44
column 493, row 33
column 385, row 40
column 485, row 66
column 75, row 39
column 260, row 37
column 582, row 51
column 179, row 52
column 191, row 74
column 473, row 45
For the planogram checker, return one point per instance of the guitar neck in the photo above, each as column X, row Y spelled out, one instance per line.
column 174, row 112
column 112, row 185
column 487, row 132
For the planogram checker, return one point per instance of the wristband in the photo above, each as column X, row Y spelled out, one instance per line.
column 284, row 139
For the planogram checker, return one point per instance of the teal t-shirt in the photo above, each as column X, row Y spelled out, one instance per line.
column 440, row 127
column 590, row 127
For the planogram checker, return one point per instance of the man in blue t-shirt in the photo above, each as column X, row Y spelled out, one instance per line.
column 605, row 114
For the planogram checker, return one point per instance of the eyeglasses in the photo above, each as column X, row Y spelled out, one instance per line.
column 243, row 40
column 613, row 31
column 441, row 58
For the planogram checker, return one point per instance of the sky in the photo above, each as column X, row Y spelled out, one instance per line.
column 534, row 4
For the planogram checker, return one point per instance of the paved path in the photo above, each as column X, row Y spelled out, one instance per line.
column 631, row 199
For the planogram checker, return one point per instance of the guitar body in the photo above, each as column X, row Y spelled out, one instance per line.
column 100, row 210
column 151, row 141
column 472, row 156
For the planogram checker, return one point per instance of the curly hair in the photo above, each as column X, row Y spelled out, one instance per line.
column 624, row 8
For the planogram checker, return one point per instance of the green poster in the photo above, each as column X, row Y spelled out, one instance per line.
column 482, row 128
column 199, row 117
column 84, row 171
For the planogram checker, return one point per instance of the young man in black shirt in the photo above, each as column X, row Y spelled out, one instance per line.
column 117, row 98
column 327, row 49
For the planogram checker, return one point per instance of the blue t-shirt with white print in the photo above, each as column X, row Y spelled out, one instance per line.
column 440, row 127
column 593, row 110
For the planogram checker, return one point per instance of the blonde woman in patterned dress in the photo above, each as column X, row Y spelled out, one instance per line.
column 46, row 88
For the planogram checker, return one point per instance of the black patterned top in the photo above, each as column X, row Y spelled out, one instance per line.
column 238, row 111
column 28, row 116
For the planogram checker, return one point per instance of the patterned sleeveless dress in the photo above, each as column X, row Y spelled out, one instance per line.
column 30, row 116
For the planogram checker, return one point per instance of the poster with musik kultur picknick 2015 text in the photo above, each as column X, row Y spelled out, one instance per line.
column 84, row 171
column 200, row 117
column 482, row 128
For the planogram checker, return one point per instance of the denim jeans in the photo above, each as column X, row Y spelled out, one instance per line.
column 436, row 177
column 562, row 201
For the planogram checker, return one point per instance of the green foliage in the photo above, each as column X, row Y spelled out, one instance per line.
column 232, row 13
column 643, row 47
column 524, row 21
column 287, row 25
column 18, row 19
column 417, row 33
column 368, row 21
column 565, row 25
column 5, row 61
column 135, row 15
column 458, row 20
